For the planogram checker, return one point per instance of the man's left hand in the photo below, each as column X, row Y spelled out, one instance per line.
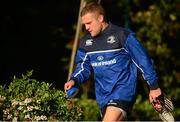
column 153, row 94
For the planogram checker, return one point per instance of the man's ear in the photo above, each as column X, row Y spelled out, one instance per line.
column 101, row 18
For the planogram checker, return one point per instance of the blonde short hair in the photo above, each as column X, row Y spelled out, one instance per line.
column 93, row 7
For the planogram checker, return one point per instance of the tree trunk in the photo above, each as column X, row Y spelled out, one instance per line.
column 76, row 40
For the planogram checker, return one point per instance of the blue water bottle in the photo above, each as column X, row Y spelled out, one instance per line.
column 72, row 92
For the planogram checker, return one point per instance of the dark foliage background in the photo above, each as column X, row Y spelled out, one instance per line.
column 33, row 35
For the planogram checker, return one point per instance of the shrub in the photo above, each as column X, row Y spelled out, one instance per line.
column 27, row 99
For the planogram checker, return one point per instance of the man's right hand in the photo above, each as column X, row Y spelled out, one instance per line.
column 68, row 85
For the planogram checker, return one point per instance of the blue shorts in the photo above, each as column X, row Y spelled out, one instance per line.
column 126, row 106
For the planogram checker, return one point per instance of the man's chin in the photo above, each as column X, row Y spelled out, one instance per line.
column 94, row 35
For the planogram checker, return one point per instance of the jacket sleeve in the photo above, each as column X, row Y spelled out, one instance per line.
column 141, row 59
column 83, row 67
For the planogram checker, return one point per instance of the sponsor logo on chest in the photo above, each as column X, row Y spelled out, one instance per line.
column 103, row 63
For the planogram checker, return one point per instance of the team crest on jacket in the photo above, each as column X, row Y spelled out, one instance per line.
column 89, row 42
column 100, row 58
column 111, row 39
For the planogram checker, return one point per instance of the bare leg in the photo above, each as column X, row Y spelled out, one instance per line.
column 113, row 114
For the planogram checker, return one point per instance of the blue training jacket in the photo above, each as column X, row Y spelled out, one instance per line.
column 114, row 58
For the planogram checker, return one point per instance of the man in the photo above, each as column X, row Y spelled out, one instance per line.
column 114, row 56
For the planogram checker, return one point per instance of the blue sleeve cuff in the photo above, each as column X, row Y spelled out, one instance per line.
column 154, row 87
column 76, row 81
